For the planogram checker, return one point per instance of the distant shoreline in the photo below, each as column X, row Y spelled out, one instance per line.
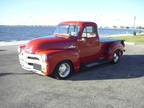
column 99, row 27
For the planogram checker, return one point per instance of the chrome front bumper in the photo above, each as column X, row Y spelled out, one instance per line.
column 30, row 61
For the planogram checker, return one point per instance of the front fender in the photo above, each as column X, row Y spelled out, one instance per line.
column 57, row 56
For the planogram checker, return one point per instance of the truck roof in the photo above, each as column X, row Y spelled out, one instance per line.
column 79, row 23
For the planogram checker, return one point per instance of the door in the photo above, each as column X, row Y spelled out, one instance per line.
column 89, row 45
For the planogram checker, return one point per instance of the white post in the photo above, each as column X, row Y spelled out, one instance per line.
column 134, row 26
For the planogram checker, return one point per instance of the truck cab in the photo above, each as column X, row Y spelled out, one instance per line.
column 74, row 44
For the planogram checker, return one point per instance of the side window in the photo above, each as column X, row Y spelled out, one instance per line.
column 73, row 30
column 88, row 32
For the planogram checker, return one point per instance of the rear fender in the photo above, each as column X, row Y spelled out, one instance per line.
column 116, row 46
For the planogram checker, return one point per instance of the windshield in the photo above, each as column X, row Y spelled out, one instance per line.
column 69, row 30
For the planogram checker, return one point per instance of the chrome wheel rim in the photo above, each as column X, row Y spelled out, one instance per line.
column 116, row 57
column 64, row 70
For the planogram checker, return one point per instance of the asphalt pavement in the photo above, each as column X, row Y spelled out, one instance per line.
column 104, row 86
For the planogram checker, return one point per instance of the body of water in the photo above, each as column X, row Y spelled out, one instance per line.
column 20, row 33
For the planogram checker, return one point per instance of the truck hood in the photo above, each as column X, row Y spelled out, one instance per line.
column 49, row 43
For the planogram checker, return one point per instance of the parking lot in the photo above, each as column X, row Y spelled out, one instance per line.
column 104, row 86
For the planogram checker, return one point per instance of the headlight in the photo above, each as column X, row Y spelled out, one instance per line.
column 44, row 57
column 29, row 50
column 19, row 50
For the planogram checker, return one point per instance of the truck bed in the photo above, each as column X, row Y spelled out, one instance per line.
column 106, row 43
column 108, row 40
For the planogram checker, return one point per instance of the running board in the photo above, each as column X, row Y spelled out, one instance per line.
column 95, row 63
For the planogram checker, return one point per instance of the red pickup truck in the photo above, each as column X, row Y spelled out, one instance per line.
column 74, row 44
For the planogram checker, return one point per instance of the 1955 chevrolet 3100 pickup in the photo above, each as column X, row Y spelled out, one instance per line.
column 73, row 44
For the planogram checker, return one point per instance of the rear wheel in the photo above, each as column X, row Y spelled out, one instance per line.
column 63, row 70
column 116, row 57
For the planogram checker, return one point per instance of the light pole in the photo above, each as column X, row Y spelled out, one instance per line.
column 134, row 26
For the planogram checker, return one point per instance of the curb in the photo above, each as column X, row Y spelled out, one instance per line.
column 130, row 43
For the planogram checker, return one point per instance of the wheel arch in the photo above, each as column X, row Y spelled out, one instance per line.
column 63, row 55
column 113, row 49
column 65, row 60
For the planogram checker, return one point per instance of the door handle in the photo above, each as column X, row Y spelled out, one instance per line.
column 82, row 40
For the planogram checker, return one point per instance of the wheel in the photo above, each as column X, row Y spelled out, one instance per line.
column 116, row 57
column 63, row 70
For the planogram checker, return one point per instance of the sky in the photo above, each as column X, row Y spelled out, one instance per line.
column 51, row 12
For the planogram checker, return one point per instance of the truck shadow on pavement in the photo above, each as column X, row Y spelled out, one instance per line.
column 5, row 74
column 130, row 66
column 2, row 50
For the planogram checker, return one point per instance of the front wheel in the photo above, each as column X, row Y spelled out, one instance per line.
column 63, row 70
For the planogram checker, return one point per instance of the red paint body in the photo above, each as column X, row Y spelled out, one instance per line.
column 77, row 49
